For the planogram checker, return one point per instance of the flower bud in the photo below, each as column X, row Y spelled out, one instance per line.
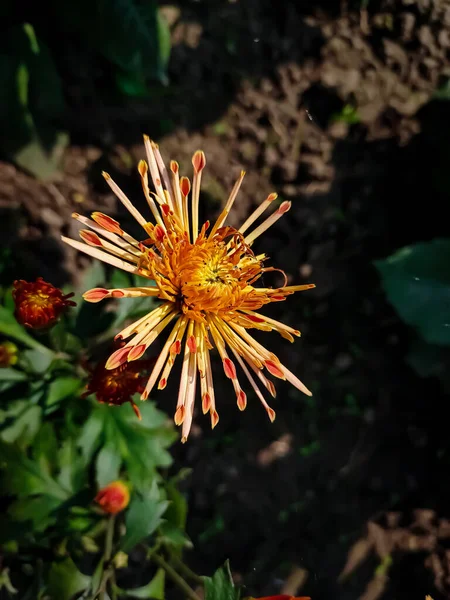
column 39, row 304
column 8, row 354
column 114, row 497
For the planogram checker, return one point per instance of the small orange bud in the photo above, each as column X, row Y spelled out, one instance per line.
column 8, row 354
column 114, row 497
column 39, row 304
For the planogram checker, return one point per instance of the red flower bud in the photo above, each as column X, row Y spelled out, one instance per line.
column 39, row 304
column 114, row 497
column 117, row 386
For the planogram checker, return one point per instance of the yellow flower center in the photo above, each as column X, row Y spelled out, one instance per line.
column 208, row 276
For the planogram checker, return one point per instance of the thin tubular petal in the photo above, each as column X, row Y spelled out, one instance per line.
column 103, row 256
column 258, row 212
column 281, row 210
column 124, row 199
column 154, row 171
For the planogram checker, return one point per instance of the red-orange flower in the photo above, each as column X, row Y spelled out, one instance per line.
column 39, row 304
column 117, row 386
column 114, row 497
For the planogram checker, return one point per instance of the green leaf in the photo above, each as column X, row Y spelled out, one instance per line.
column 220, row 586
column 23, row 477
column 9, row 374
column 107, row 465
column 62, row 388
column 38, row 360
column 141, row 444
column 417, row 282
column 21, row 422
column 65, row 580
column 143, row 517
column 91, row 434
column 125, row 32
column 38, row 510
column 33, row 95
column 11, row 328
column 154, row 589
column 45, row 448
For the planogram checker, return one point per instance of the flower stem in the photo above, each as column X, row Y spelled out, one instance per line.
column 181, row 566
column 176, row 578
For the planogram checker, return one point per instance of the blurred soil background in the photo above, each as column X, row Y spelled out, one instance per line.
column 342, row 108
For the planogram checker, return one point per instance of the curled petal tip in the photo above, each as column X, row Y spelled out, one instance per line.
column 106, row 175
column 117, row 358
column 284, row 207
column 95, row 295
column 142, row 168
column 214, row 418
column 179, row 415
column 199, row 161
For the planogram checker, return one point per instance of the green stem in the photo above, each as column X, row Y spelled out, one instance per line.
column 181, row 566
column 177, row 579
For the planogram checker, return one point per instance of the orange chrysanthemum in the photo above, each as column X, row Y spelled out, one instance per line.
column 114, row 497
column 206, row 279
column 117, row 386
column 39, row 304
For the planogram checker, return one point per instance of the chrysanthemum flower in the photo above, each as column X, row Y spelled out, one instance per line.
column 117, row 386
column 205, row 277
column 8, row 354
column 114, row 497
column 39, row 304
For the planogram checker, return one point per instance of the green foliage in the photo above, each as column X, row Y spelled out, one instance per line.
column 58, row 448
column 220, row 586
column 417, row 283
column 130, row 35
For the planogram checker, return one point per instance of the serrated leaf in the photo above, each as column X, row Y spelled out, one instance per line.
column 417, row 282
column 65, row 580
column 220, row 586
column 154, row 589
column 143, row 517
column 23, row 476
column 141, row 444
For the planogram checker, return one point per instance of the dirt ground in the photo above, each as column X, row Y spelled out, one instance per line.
column 335, row 109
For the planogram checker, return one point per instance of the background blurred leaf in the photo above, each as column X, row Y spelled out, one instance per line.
column 30, row 99
column 20, row 422
column 65, row 580
column 126, row 32
column 9, row 374
column 220, row 586
column 11, row 328
column 62, row 388
column 417, row 282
